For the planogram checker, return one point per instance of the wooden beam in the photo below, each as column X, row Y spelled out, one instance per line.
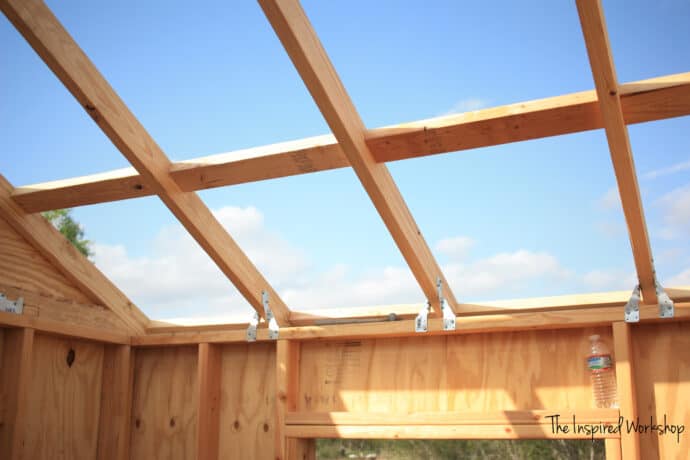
column 408, row 311
column 55, row 46
column 116, row 403
column 14, row 383
column 506, row 431
column 64, row 256
column 508, row 417
column 608, row 94
column 208, row 418
column 561, row 319
column 63, row 328
column 307, row 54
column 642, row 101
column 625, row 383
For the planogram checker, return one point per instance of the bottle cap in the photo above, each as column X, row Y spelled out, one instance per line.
column 594, row 337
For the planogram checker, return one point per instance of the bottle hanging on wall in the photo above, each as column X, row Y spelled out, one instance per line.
column 602, row 374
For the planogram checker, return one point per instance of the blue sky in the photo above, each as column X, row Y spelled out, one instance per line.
column 528, row 219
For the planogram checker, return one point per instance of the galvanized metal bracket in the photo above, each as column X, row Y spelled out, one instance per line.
column 11, row 306
column 421, row 323
column 273, row 328
column 448, row 315
column 253, row 323
column 666, row 308
column 632, row 308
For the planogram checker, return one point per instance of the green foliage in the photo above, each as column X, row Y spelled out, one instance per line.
column 63, row 221
column 332, row 449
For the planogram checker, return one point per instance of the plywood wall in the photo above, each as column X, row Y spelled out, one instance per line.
column 662, row 376
column 164, row 404
column 46, row 292
column 479, row 372
column 64, row 402
column 247, row 416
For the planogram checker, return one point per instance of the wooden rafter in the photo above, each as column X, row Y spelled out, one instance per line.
column 312, row 63
column 71, row 263
column 608, row 93
column 642, row 101
column 56, row 47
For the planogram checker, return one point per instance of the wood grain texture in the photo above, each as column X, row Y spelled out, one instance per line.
column 34, row 20
column 47, row 308
column 477, row 324
column 60, row 253
column 661, row 353
column 321, row 79
column 475, row 373
column 604, row 72
column 287, row 394
column 208, row 419
column 625, row 385
column 505, row 417
column 22, row 266
column 642, row 101
column 62, row 328
column 116, row 403
column 64, row 406
column 164, row 406
column 15, row 378
column 613, row 449
column 436, row 432
column 248, row 405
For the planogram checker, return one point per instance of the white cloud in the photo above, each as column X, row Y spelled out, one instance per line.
column 610, row 200
column 466, row 105
column 179, row 280
column 609, row 279
column 505, row 274
column 456, row 247
column 675, row 206
column 673, row 169
column 681, row 279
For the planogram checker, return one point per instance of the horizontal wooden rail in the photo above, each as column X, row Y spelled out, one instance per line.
column 505, row 431
column 511, row 417
column 642, row 101
column 63, row 328
column 578, row 317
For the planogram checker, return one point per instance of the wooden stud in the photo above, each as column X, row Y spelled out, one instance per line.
column 287, row 382
column 34, row 20
column 625, row 383
column 307, row 54
column 642, row 101
column 608, row 94
column 15, row 379
column 208, row 416
column 70, row 262
column 116, row 403
column 613, row 449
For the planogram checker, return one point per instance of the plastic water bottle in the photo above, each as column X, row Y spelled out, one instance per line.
column 602, row 374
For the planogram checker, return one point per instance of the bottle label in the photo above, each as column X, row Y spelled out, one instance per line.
column 599, row 363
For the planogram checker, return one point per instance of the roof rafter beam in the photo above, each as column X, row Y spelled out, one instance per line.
column 34, row 20
column 321, row 79
column 69, row 261
column 642, row 101
column 608, row 94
